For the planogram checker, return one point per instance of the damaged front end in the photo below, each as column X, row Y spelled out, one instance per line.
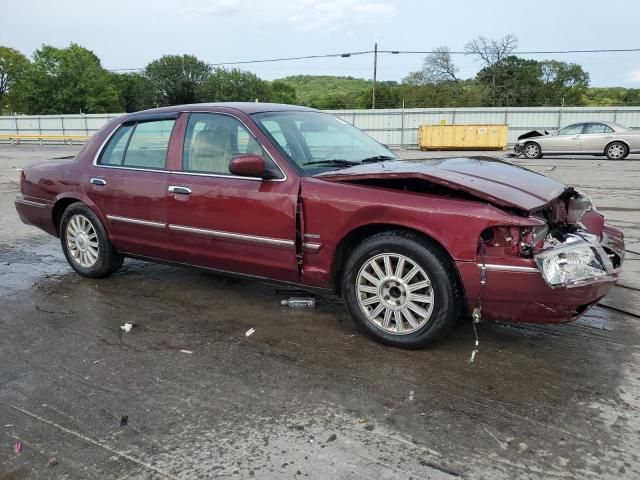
column 568, row 241
column 551, row 271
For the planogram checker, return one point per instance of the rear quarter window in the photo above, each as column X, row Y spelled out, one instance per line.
column 114, row 151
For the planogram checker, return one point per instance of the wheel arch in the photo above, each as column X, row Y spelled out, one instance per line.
column 356, row 236
column 62, row 203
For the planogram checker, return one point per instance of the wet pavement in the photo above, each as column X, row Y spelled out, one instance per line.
column 306, row 395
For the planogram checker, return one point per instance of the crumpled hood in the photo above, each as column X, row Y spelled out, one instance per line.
column 489, row 179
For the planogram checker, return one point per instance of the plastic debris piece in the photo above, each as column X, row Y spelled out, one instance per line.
column 98, row 361
column 18, row 447
column 124, row 420
column 299, row 302
column 126, row 328
column 250, row 332
column 53, row 461
column 411, row 393
column 186, row 351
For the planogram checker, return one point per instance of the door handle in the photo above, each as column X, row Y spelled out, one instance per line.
column 98, row 181
column 180, row 190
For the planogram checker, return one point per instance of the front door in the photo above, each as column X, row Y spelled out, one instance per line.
column 226, row 222
column 128, row 185
column 566, row 141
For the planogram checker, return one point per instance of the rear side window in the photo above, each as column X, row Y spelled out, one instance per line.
column 149, row 144
column 140, row 145
column 597, row 128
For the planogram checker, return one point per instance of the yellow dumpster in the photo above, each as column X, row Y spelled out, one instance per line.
column 463, row 137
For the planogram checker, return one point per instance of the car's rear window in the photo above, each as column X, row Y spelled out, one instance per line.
column 142, row 145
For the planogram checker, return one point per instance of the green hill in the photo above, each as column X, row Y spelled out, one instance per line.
column 328, row 91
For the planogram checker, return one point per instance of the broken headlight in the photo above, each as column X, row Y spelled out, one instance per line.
column 573, row 262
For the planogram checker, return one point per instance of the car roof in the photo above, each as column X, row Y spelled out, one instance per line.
column 245, row 107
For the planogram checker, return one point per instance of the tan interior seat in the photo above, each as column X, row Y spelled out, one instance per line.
column 211, row 151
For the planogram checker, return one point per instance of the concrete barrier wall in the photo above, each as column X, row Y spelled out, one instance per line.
column 394, row 127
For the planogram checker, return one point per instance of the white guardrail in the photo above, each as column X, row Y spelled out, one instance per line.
column 393, row 127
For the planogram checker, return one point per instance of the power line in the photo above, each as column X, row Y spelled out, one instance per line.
column 397, row 52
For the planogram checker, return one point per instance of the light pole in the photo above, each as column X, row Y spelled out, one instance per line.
column 375, row 70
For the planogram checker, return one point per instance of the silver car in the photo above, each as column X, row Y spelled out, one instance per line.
column 590, row 138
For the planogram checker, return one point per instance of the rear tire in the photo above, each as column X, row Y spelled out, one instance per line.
column 532, row 150
column 616, row 151
column 85, row 243
column 394, row 306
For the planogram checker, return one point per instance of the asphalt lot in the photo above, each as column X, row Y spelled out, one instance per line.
column 305, row 396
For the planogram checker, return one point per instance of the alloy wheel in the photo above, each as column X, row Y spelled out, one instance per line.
column 616, row 151
column 82, row 241
column 394, row 293
column 531, row 150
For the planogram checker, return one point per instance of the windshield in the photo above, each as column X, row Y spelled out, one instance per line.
column 317, row 142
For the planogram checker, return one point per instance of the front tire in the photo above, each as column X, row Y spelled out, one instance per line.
column 616, row 151
column 401, row 289
column 85, row 243
column 532, row 150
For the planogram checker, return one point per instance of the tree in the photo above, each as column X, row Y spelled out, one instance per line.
column 136, row 91
column 68, row 80
column 176, row 79
column 233, row 85
column 282, row 92
column 564, row 83
column 491, row 54
column 516, row 83
column 437, row 67
column 387, row 96
column 13, row 64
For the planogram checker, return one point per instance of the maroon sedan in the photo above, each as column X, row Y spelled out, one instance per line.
column 296, row 195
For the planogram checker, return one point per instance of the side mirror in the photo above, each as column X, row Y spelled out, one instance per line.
column 248, row 165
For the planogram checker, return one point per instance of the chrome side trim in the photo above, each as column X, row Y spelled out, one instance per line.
column 181, row 172
column 312, row 235
column 30, row 203
column 136, row 221
column 278, row 242
column 508, row 268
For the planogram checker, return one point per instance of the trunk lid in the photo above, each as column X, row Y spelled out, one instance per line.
column 492, row 180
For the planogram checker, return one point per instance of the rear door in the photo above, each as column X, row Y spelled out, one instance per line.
column 566, row 141
column 222, row 221
column 128, row 184
column 595, row 137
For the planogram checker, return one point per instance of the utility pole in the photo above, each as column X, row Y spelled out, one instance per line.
column 375, row 70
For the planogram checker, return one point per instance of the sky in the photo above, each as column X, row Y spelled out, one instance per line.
column 130, row 34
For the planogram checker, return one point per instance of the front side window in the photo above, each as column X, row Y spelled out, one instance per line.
column 597, row 128
column 212, row 140
column 316, row 141
column 572, row 129
column 140, row 145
